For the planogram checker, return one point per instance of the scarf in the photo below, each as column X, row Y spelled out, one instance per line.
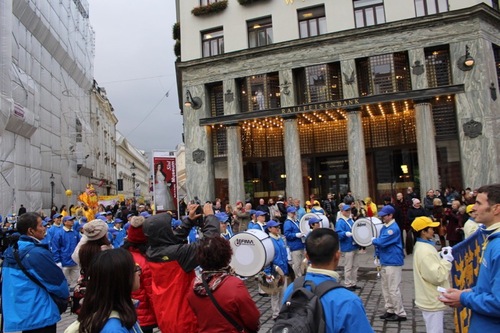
column 327, row 272
column 214, row 280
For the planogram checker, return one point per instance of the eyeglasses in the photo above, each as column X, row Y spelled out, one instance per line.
column 138, row 269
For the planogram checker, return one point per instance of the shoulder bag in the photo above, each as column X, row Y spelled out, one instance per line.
column 62, row 303
column 219, row 308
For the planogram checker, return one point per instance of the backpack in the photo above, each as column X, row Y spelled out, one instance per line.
column 302, row 312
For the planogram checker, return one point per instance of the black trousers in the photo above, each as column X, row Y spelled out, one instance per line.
column 47, row 329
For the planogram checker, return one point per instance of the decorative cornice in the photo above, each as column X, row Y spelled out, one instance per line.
column 346, row 104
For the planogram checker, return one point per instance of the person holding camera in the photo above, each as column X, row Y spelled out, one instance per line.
column 172, row 262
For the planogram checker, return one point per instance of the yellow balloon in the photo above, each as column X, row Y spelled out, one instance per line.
column 69, row 193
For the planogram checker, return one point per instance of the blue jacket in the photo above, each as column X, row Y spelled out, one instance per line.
column 388, row 245
column 343, row 310
column 257, row 226
column 484, row 300
column 26, row 306
column 300, row 212
column 114, row 325
column 118, row 236
column 347, row 244
column 290, row 229
column 50, row 234
column 63, row 244
column 280, row 257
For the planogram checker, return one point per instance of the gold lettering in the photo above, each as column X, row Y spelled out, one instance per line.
column 345, row 103
column 339, row 104
column 322, row 106
column 288, row 2
column 356, row 101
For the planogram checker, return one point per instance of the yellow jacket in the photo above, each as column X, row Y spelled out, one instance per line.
column 429, row 271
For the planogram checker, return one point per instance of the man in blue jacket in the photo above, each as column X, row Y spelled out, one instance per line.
column 389, row 250
column 348, row 247
column 63, row 244
column 295, row 239
column 279, row 263
column 484, row 299
column 343, row 310
column 25, row 305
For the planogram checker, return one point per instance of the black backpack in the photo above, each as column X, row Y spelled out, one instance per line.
column 302, row 312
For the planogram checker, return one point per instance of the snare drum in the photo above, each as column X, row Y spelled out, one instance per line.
column 305, row 228
column 252, row 251
column 364, row 229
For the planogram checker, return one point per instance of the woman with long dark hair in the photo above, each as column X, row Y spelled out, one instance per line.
column 108, row 307
column 94, row 240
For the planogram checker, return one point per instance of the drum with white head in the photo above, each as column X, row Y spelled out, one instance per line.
column 364, row 229
column 252, row 251
column 305, row 228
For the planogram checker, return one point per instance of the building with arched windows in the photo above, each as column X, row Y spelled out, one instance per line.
column 310, row 97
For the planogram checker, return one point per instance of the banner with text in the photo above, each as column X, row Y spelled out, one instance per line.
column 464, row 273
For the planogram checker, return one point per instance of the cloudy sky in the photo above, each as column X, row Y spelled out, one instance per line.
column 134, row 61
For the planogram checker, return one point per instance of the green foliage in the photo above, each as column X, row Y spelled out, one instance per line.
column 176, row 31
column 210, row 9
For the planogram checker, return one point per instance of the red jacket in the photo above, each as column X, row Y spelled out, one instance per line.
column 170, row 285
column 233, row 297
column 145, row 312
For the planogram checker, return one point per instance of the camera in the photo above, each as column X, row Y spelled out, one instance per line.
column 199, row 211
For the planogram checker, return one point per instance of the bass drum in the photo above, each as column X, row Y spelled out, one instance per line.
column 252, row 251
column 364, row 229
column 304, row 222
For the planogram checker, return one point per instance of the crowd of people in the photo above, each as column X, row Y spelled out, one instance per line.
column 124, row 269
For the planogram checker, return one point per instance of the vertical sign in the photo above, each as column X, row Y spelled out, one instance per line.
column 164, row 181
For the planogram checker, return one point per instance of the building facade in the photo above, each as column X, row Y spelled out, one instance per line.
column 133, row 171
column 310, row 97
column 46, row 69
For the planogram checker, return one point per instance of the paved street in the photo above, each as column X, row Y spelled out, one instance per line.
column 370, row 293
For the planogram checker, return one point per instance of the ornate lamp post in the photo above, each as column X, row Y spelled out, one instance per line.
column 132, row 168
column 51, row 191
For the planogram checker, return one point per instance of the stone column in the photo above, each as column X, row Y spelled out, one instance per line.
column 293, row 165
column 235, row 177
column 358, row 175
column 426, row 146
column 235, row 164
column 199, row 156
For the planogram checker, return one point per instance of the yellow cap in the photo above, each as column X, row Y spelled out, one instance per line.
column 469, row 209
column 423, row 222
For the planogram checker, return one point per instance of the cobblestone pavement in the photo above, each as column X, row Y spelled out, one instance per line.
column 370, row 293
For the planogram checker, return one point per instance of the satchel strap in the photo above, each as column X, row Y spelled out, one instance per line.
column 25, row 271
column 219, row 308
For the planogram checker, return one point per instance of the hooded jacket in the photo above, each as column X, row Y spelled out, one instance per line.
column 26, row 306
column 172, row 261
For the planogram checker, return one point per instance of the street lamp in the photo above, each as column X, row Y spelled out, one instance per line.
column 51, row 191
column 132, row 168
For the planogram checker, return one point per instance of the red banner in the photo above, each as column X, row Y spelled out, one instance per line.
column 164, row 183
